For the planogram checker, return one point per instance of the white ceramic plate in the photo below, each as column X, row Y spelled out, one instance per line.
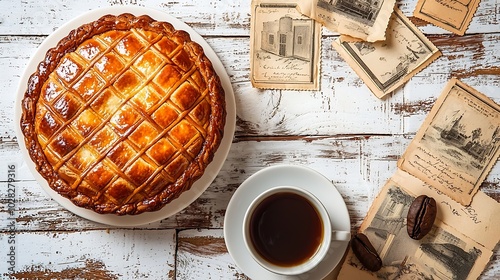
column 199, row 186
column 289, row 175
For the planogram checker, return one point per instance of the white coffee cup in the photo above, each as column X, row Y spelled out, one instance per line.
column 265, row 211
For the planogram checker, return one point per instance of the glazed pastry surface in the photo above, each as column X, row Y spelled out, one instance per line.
column 123, row 115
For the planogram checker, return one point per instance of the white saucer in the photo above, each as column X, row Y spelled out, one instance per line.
column 186, row 198
column 291, row 175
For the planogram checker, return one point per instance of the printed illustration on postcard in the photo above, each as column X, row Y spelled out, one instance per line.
column 285, row 47
column 366, row 20
column 451, row 15
column 458, row 143
column 385, row 66
column 446, row 252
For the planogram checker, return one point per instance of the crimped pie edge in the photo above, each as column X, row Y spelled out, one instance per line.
column 68, row 44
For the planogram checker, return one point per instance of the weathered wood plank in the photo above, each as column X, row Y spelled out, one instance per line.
column 342, row 160
column 202, row 254
column 357, row 166
column 492, row 270
column 112, row 254
column 333, row 110
column 227, row 17
column 224, row 17
column 342, row 131
column 474, row 59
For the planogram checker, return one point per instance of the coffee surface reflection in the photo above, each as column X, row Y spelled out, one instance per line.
column 286, row 229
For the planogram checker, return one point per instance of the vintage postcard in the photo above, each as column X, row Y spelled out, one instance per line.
column 385, row 66
column 451, row 15
column 458, row 143
column 479, row 220
column 285, row 47
column 445, row 253
column 366, row 20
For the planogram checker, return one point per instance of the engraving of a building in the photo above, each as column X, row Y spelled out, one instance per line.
column 449, row 261
column 387, row 231
column 288, row 37
column 366, row 10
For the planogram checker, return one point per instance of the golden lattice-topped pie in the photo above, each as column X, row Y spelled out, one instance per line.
column 123, row 115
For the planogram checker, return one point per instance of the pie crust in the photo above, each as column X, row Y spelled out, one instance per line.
column 123, row 115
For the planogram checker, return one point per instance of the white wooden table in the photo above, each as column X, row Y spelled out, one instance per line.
column 342, row 131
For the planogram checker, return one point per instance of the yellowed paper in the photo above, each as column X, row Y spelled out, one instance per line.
column 366, row 20
column 460, row 136
column 285, row 47
column 445, row 253
column 458, row 143
column 451, row 15
column 385, row 66
column 479, row 221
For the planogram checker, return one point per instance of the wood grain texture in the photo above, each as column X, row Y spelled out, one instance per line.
column 202, row 254
column 343, row 131
column 337, row 158
column 333, row 110
column 222, row 17
column 107, row 254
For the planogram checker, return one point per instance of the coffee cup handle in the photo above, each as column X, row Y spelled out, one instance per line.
column 341, row 235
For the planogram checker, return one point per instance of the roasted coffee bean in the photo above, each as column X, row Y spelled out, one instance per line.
column 365, row 252
column 421, row 216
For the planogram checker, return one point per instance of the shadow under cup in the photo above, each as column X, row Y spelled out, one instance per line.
column 287, row 230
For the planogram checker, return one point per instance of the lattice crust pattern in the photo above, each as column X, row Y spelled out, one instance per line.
column 128, row 120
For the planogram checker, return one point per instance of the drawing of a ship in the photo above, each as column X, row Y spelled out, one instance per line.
column 474, row 145
column 453, row 132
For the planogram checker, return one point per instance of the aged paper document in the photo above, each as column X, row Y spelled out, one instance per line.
column 447, row 160
column 458, row 247
column 384, row 66
column 458, row 143
column 285, row 47
column 479, row 221
column 451, row 15
column 366, row 20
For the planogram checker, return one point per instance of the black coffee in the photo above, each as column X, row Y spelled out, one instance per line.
column 286, row 229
